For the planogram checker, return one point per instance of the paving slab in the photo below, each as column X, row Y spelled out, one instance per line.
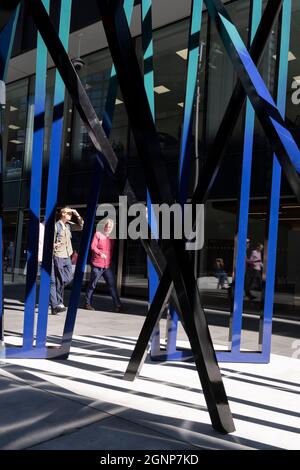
column 31, row 415
column 114, row 434
column 84, row 403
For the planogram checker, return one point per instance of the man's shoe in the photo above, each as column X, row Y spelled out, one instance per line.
column 119, row 308
column 61, row 308
column 58, row 309
column 89, row 307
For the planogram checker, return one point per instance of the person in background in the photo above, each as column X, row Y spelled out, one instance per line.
column 221, row 273
column 101, row 259
column 246, row 276
column 248, row 271
column 62, row 272
column 9, row 257
column 255, row 270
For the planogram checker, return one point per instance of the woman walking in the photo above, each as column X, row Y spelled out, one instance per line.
column 101, row 259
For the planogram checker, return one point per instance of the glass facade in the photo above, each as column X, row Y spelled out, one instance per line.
column 216, row 83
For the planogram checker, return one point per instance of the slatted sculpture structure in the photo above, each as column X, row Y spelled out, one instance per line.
column 171, row 272
column 260, row 29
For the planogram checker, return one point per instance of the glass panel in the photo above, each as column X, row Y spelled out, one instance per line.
column 257, row 225
column 47, row 123
column 135, row 278
column 95, row 76
column 78, row 150
column 9, row 233
column 287, row 285
column 170, row 47
column 15, row 125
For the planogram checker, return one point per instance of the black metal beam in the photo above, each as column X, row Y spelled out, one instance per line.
column 146, row 139
column 217, row 153
column 140, row 351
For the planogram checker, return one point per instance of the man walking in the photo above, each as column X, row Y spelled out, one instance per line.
column 62, row 272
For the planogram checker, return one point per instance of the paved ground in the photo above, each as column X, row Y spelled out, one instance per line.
column 84, row 403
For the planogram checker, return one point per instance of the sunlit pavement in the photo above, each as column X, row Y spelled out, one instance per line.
column 84, row 403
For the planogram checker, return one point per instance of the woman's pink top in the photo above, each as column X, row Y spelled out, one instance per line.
column 102, row 244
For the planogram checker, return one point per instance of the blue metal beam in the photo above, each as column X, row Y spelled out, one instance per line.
column 239, row 274
column 276, row 183
column 53, row 178
column 35, row 189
